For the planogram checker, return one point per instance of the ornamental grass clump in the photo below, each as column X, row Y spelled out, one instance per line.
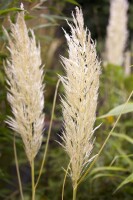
column 25, row 86
column 79, row 105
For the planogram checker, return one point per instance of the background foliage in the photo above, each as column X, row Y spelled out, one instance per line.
column 115, row 164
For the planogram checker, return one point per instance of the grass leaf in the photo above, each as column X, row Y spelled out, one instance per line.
column 73, row 2
column 101, row 175
column 44, row 26
column 53, row 18
column 119, row 109
column 126, row 181
column 3, row 12
column 123, row 136
column 107, row 168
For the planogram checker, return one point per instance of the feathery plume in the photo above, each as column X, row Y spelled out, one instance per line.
column 81, row 85
column 25, row 86
column 117, row 32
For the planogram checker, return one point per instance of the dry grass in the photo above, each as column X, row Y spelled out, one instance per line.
column 81, row 85
column 25, row 86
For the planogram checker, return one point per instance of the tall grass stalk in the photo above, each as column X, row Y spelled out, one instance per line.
column 25, row 76
column 64, row 180
column 81, row 85
column 33, row 180
column 17, row 168
column 49, row 133
column 74, row 193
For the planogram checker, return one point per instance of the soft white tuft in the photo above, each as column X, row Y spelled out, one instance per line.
column 25, row 86
column 81, row 85
column 117, row 32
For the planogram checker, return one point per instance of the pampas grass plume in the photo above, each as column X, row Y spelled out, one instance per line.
column 81, row 85
column 25, row 86
column 117, row 32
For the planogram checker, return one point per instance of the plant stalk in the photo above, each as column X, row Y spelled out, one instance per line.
column 49, row 132
column 33, row 179
column 74, row 192
column 17, row 168
column 64, row 181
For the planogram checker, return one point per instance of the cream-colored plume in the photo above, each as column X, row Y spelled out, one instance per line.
column 81, row 85
column 117, row 32
column 25, row 86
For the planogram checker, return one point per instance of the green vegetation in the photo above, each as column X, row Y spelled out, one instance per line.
column 111, row 177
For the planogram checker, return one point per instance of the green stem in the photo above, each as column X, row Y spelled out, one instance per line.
column 74, row 192
column 33, row 179
column 64, row 181
column 49, row 132
column 17, row 168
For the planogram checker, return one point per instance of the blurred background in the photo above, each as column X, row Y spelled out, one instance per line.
column 115, row 165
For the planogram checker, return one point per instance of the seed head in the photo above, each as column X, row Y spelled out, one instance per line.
column 81, row 85
column 117, row 32
column 25, row 86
